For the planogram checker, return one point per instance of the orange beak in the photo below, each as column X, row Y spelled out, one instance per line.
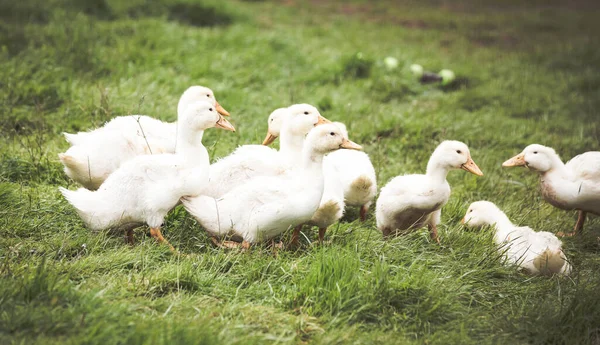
column 471, row 167
column 322, row 121
column 270, row 138
column 347, row 144
column 224, row 124
column 518, row 160
column 462, row 221
column 220, row 109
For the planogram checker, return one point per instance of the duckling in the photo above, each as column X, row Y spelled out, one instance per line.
column 536, row 252
column 412, row 201
column 571, row 186
column 249, row 161
column 96, row 154
column 356, row 175
column 266, row 206
column 145, row 188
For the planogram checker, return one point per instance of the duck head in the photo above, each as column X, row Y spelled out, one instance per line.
column 274, row 125
column 536, row 157
column 481, row 213
column 297, row 119
column 201, row 115
column 327, row 138
column 451, row 154
column 199, row 93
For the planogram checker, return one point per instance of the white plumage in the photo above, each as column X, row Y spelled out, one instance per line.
column 96, row 154
column 536, row 252
column 412, row 201
column 265, row 207
column 571, row 186
column 145, row 188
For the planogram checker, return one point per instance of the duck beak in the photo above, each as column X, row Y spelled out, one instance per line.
column 471, row 167
column 322, row 121
column 224, row 124
column 347, row 144
column 269, row 139
column 220, row 109
column 518, row 160
column 462, row 221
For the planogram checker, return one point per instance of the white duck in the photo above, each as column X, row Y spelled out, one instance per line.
column 249, row 161
column 144, row 189
column 96, row 154
column 356, row 175
column 413, row 201
column 536, row 252
column 266, row 206
column 571, row 186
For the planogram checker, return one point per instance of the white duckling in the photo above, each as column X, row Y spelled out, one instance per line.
column 96, row 154
column 266, row 206
column 356, row 175
column 249, row 161
column 571, row 186
column 536, row 252
column 145, row 188
column 412, row 201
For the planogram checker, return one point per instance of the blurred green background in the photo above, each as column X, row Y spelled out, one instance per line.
column 526, row 73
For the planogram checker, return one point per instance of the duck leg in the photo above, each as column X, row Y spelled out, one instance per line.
column 322, row 234
column 129, row 238
column 230, row 244
column 296, row 235
column 155, row 232
column 578, row 226
column 363, row 212
column 433, row 232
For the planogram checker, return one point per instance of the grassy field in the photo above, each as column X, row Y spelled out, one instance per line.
column 526, row 74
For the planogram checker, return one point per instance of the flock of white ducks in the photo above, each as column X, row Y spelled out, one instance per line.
column 135, row 169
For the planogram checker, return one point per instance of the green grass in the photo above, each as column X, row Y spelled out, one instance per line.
column 527, row 73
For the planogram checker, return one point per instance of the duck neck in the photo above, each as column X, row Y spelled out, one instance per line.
column 189, row 145
column 290, row 146
column 557, row 170
column 312, row 164
column 436, row 171
column 502, row 224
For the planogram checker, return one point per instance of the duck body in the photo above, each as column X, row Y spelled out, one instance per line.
column 249, row 161
column 536, row 252
column 331, row 206
column 356, row 175
column 94, row 155
column 266, row 206
column 576, row 186
column 412, row 201
column 145, row 188
column 571, row 186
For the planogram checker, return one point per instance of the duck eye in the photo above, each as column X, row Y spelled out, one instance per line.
column 470, row 211
column 208, row 95
column 535, row 152
column 306, row 113
column 458, row 151
column 210, row 109
column 331, row 133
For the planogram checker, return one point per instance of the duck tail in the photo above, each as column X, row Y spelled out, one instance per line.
column 363, row 183
column 552, row 262
column 75, row 138
column 94, row 211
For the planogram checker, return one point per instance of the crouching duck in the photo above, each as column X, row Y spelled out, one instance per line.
column 412, row 201
column 571, row 186
column 265, row 207
column 94, row 155
column 144, row 189
column 535, row 252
